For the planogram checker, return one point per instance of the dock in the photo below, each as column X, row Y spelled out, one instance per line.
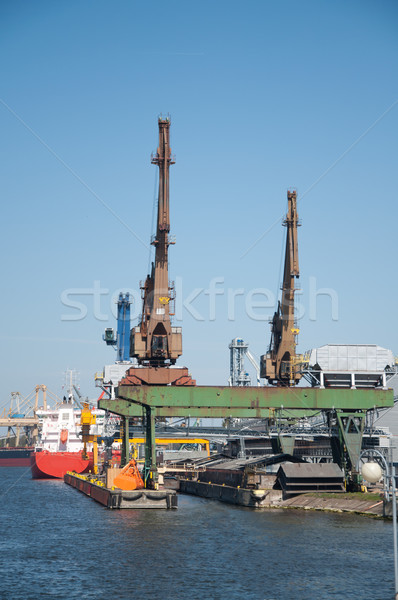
column 116, row 498
column 376, row 507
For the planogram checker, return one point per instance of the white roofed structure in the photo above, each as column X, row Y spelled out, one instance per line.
column 350, row 366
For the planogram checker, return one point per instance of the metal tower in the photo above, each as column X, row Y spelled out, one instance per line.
column 238, row 375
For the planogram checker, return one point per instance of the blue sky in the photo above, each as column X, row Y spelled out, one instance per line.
column 263, row 96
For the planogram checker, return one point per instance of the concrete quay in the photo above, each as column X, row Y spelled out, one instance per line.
column 272, row 498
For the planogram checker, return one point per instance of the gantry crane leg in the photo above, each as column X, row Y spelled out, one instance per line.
column 347, row 443
column 125, row 456
column 150, row 467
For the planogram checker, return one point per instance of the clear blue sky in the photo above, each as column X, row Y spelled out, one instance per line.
column 263, row 96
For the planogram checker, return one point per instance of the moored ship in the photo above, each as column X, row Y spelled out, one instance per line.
column 16, row 457
column 60, row 448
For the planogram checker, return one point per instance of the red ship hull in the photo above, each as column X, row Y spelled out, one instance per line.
column 54, row 465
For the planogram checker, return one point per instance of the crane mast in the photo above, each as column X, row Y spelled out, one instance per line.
column 280, row 364
column 155, row 342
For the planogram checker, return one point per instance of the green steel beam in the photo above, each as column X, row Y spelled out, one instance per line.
column 258, row 402
column 127, row 408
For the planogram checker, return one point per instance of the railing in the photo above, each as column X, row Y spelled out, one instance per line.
column 155, row 158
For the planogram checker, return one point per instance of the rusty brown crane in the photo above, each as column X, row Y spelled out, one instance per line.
column 281, row 364
column 155, row 343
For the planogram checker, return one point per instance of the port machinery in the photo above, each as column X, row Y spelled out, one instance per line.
column 121, row 339
column 156, row 387
column 282, row 365
column 155, row 343
column 22, row 414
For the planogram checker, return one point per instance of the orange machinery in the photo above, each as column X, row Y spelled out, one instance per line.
column 129, row 478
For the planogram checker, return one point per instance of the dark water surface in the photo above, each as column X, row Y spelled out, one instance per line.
column 57, row 543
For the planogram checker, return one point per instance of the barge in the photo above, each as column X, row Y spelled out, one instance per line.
column 112, row 497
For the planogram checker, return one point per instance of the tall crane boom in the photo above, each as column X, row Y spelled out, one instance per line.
column 280, row 364
column 155, row 342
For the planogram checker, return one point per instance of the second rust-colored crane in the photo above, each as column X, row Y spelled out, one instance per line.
column 281, row 365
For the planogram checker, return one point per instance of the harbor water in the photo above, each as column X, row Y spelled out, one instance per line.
column 56, row 543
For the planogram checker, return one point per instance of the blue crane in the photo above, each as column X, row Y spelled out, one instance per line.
column 122, row 339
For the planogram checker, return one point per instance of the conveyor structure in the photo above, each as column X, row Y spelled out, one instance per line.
column 345, row 408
